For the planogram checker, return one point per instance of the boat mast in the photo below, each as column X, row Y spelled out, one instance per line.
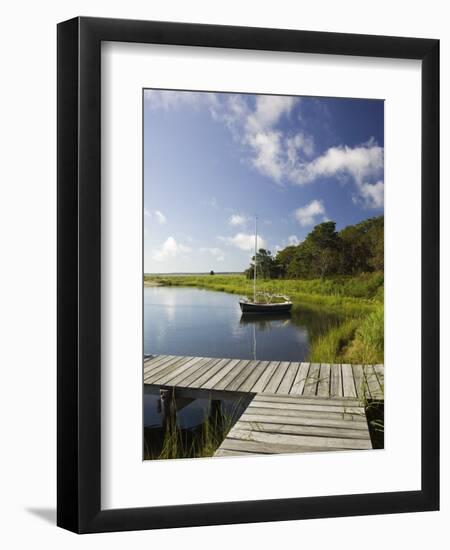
column 256, row 251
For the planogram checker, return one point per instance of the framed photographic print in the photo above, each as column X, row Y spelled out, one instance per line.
column 248, row 254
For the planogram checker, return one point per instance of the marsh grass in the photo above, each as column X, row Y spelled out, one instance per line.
column 172, row 441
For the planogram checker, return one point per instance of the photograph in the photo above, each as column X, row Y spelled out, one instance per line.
column 263, row 254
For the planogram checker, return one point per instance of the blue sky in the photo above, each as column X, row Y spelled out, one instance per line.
column 212, row 161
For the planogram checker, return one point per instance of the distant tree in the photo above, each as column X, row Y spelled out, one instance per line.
column 267, row 266
column 284, row 258
column 324, row 244
column 211, row 272
column 325, row 252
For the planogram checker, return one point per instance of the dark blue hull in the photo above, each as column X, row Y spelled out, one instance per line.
column 250, row 307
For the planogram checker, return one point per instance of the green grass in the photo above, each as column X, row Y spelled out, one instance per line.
column 358, row 338
column 199, row 442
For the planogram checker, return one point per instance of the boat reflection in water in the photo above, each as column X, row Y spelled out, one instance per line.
column 264, row 322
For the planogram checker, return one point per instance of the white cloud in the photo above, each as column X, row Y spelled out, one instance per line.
column 170, row 249
column 244, row 241
column 237, row 219
column 295, row 145
column 361, row 162
column 293, row 240
column 281, row 155
column 255, row 125
column 147, row 213
column 217, row 253
column 160, row 218
column 309, row 214
column 372, row 194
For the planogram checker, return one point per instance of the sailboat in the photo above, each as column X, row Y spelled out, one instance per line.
column 263, row 302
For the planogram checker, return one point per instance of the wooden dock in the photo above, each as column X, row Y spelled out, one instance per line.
column 296, row 406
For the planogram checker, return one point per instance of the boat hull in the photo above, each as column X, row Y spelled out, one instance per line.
column 252, row 308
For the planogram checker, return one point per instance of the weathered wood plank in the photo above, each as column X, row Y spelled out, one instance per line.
column 163, row 370
column 300, row 440
column 360, row 381
column 336, row 389
column 351, row 414
column 183, row 367
column 302, row 429
column 277, row 376
column 225, row 452
column 231, row 375
column 223, row 378
column 288, row 379
column 191, row 377
column 265, row 377
column 179, row 379
column 242, row 376
column 153, row 366
column 348, row 383
column 209, row 373
column 355, row 422
column 373, row 383
column 323, row 387
column 300, row 379
column 219, row 375
column 269, row 448
column 313, row 400
column 312, row 380
column 253, row 377
column 303, row 407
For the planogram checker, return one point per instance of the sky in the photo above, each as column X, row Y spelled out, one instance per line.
column 214, row 161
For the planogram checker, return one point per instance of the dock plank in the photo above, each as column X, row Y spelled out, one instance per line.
column 265, row 377
column 165, row 378
column 323, row 387
column 304, row 429
column 336, row 389
column 242, row 376
column 302, row 441
column 277, row 376
column 300, row 379
column 355, row 422
column 312, row 380
column 288, row 379
column 163, row 371
column 372, row 381
column 180, row 379
column 348, row 382
column 254, row 376
column 220, row 374
column 360, row 381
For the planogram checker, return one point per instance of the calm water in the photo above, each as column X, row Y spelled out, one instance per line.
column 191, row 321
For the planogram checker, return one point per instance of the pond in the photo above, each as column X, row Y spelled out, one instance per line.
column 198, row 322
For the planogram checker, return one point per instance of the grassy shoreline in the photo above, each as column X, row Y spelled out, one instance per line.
column 359, row 338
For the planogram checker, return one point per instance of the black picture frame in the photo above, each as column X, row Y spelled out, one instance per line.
column 79, row 281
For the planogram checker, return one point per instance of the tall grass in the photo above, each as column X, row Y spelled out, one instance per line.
column 202, row 441
column 367, row 345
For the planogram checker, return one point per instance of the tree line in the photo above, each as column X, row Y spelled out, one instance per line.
column 325, row 252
